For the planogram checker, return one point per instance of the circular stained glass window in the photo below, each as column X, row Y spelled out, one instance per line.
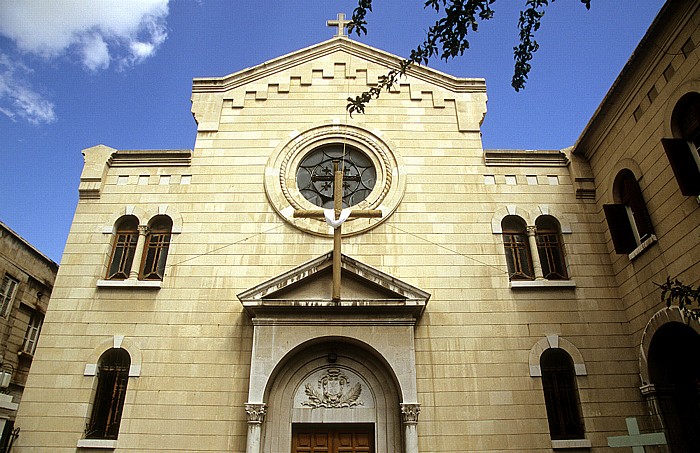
column 315, row 177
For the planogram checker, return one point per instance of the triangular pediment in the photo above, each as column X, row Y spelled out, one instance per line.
column 309, row 287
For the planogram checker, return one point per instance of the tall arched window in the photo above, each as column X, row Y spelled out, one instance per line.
column 628, row 219
column 549, row 248
column 561, row 395
column 112, row 379
column 156, row 248
column 123, row 249
column 517, row 249
column 683, row 151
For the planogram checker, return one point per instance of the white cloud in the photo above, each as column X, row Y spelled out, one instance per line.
column 18, row 99
column 95, row 33
column 98, row 32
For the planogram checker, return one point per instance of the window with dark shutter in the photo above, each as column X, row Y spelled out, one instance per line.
column 620, row 228
column 628, row 219
column 683, row 151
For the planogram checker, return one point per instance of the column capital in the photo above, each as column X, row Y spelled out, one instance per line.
column 409, row 413
column 143, row 230
column 256, row 412
column 531, row 230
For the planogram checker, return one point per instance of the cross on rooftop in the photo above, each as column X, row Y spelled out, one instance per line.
column 636, row 440
column 341, row 23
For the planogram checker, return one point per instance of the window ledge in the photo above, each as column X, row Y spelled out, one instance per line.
column 97, row 443
column 542, row 284
column 643, row 246
column 571, row 443
column 152, row 284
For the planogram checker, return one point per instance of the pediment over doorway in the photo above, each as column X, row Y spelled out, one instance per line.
column 308, row 288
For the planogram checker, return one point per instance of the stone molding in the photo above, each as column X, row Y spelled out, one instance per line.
column 555, row 341
column 525, row 158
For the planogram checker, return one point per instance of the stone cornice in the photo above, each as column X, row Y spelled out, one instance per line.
column 525, row 158
column 363, row 51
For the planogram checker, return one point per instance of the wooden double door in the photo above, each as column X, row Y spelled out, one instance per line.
column 333, row 438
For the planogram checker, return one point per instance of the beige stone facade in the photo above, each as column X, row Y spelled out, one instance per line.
column 436, row 344
column 27, row 281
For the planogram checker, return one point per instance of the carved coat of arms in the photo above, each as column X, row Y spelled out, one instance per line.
column 333, row 391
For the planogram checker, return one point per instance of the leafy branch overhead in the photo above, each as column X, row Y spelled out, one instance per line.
column 686, row 297
column 447, row 39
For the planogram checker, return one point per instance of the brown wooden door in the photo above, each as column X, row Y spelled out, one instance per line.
column 333, row 438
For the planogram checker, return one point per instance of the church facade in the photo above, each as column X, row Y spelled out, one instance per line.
column 306, row 281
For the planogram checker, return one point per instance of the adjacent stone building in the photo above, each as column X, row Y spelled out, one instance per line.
column 27, row 281
column 461, row 299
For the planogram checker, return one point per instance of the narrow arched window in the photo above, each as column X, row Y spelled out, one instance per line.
column 683, row 150
column 561, row 395
column 156, row 249
column 550, row 249
column 628, row 219
column 123, row 249
column 517, row 249
column 112, row 379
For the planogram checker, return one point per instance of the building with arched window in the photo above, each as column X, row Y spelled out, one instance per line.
column 302, row 281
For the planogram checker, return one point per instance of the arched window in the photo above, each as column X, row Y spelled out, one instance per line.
column 628, row 219
column 683, row 151
column 156, row 248
column 517, row 249
column 561, row 395
column 549, row 248
column 112, row 379
column 123, row 248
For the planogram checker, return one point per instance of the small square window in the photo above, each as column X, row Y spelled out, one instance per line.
column 531, row 180
column 185, row 179
column 143, row 180
column 553, row 180
column 122, row 180
column 489, row 180
column 652, row 93
column 638, row 113
column 511, row 180
column 164, row 180
column 688, row 47
column 669, row 71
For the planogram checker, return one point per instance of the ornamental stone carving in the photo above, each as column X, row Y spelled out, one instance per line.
column 256, row 412
column 409, row 413
column 333, row 391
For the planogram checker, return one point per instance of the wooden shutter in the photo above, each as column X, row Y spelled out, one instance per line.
column 683, row 164
column 620, row 228
column 639, row 208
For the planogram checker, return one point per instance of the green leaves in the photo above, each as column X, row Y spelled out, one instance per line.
column 675, row 292
column 447, row 39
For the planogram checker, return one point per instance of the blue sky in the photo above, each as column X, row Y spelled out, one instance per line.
column 77, row 73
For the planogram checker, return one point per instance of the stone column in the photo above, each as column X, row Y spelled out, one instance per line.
column 532, row 242
column 409, row 419
column 138, row 253
column 256, row 416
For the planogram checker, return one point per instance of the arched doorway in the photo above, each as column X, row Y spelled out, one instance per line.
column 332, row 395
column 674, row 373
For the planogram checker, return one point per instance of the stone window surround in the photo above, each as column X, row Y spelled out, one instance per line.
column 140, row 214
column 565, row 228
column 280, row 175
column 555, row 341
column 117, row 341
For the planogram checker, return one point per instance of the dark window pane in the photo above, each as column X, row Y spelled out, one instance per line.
column 112, row 380
column 561, row 395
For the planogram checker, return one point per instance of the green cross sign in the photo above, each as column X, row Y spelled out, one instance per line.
column 636, row 440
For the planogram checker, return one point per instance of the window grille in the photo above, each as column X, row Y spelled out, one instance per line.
column 517, row 249
column 550, row 249
column 112, row 380
column 156, row 251
column 123, row 249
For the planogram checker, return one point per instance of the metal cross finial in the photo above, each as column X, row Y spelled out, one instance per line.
column 340, row 22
